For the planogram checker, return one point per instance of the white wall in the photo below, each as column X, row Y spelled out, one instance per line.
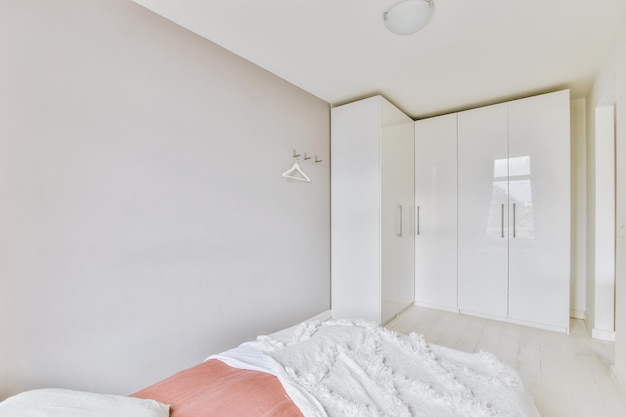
column 609, row 87
column 620, row 296
column 604, row 322
column 590, row 249
column 144, row 222
column 600, row 210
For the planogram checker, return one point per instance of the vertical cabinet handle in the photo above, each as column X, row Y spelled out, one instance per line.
column 417, row 220
column 514, row 232
column 502, row 221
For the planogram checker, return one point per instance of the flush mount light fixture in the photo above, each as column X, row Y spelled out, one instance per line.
column 409, row 16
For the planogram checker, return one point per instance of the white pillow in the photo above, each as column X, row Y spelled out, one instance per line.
column 52, row 402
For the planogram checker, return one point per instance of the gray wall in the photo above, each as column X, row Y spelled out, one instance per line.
column 144, row 222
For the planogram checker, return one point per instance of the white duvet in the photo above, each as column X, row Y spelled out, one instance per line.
column 343, row 368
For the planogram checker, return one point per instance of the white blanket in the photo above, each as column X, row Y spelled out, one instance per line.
column 343, row 368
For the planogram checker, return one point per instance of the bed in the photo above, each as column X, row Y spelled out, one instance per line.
column 342, row 368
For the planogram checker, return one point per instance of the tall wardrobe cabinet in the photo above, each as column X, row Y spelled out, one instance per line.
column 372, row 210
column 497, row 210
column 514, row 210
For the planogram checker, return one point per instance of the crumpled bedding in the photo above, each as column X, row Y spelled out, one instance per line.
column 346, row 368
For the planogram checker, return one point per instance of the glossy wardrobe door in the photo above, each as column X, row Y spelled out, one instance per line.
column 397, row 195
column 436, row 212
column 539, row 205
column 483, row 210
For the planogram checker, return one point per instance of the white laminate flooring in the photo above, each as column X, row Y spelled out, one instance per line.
column 567, row 375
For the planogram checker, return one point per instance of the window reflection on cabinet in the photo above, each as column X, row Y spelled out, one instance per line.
column 512, row 182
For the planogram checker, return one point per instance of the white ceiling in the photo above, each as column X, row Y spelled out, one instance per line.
column 473, row 52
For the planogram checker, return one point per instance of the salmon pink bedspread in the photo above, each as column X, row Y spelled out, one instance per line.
column 214, row 389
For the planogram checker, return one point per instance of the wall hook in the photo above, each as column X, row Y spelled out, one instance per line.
column 317, row 160
column 296, row 154
column 306, row 157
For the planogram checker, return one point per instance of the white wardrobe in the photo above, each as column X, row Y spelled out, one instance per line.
column 372, row 210
column 512, row 211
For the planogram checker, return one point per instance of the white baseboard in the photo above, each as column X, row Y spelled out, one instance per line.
column 577, row 314
column 619, row 381
column 326, row 315
column 601, row 334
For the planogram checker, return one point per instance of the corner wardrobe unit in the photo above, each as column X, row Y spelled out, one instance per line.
column 372, row 197
column 513, row 202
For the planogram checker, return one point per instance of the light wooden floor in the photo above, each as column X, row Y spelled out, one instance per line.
column 567, row 375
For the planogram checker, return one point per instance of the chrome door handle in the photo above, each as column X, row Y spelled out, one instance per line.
column 514, row 220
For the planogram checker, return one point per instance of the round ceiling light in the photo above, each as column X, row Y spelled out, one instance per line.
column 409, row 16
